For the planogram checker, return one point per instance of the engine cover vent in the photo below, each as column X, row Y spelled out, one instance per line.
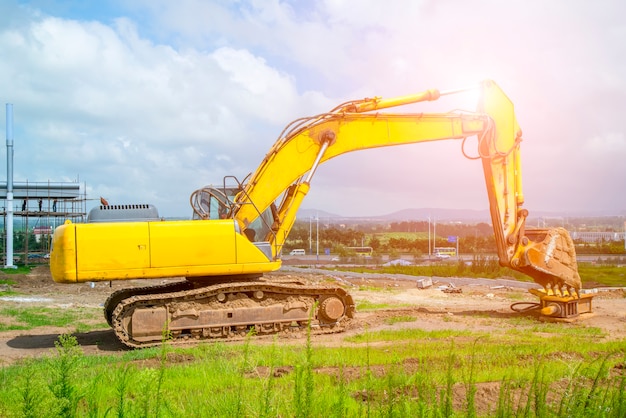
column 123, row 213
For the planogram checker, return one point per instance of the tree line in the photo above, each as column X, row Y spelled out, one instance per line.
column 473, row 239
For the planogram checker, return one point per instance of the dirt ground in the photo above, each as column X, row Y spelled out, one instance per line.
column 478, row 307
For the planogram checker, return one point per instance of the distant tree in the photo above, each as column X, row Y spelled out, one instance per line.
column 374, row 242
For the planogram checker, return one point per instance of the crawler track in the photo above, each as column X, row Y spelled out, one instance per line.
column 141, row 317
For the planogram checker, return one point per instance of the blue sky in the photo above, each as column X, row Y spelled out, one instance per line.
column 145, row 101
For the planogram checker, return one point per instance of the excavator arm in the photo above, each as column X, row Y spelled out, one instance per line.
column 283, row 178
column 292, row 161
column 546, row 255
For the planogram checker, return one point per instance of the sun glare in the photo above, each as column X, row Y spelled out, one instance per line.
column 468, row 96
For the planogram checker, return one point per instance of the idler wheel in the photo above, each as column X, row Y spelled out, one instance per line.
column 331, row 308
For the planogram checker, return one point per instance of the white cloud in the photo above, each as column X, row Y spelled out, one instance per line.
column 120, row 109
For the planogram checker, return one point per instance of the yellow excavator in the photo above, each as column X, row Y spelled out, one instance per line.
column 238, row 231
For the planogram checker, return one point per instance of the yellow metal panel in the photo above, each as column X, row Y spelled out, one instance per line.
column 150, row 250
column 248, row 253
column 112, row 246
column 63, row 254
column 192, row 243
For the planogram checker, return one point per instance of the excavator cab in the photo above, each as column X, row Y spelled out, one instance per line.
column 210, row 203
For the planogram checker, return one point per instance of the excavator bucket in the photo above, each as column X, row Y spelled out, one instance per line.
column 549, row 257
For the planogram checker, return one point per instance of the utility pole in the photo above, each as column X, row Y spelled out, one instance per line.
column 429, row 236
column 317, row 233
column 8, row 262
column 434, row 234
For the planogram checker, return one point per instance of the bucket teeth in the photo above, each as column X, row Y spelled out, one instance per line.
column 565, row 291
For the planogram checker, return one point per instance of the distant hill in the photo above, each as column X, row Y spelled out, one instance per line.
column 412, row 214
column 304, row 214
column 450, row 215
column 461, row 215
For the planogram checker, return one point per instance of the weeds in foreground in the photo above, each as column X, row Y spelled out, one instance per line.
column 30, row 395
column 238, row 410
column 122, row 384
column 266, row 399
column 303, row 378
column 63, row 374
column 71, row 384
column 166, row 336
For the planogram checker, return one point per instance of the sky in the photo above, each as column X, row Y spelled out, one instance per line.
column 144, row 101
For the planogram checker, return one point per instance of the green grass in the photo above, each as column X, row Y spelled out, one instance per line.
column 6, row 284
column 411, row 236
column 400, row 318
column 537, row 369
column 25, row 318
column 526, row 324
column 18, row 270
column 612, row 276
column 366, row 305
column 407, row 334
column 605, row 275
column 8, row 293
column 392, row 373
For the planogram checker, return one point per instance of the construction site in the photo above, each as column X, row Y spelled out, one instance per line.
column 32, row 210
column 37, row 209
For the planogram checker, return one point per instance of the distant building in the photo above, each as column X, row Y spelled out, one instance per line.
column 585, row 236
column 42, row 231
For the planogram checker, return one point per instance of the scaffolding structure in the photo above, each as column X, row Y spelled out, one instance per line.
column 38, row 208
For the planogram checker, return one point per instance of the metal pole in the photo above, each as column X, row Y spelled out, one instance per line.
column 429, row 237
column 8, row 262
column 435, row 235
column 317, row 233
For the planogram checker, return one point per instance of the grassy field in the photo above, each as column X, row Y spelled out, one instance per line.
column 530, row 369
column 25, row 318
column 603, row 275
column 522, row 367
column 411, row 236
